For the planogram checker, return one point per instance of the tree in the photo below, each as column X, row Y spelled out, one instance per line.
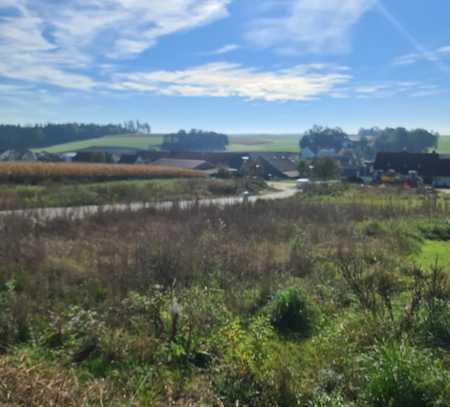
column 401, row 139
column 326, row 168
column 16, row 137
column 319, row 138
column 195, row 140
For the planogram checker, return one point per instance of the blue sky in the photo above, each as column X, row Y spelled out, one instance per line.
column 238, row 66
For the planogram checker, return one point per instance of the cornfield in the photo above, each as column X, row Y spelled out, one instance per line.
column 26, row 172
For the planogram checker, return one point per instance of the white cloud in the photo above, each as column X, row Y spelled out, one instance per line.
column 394, row 88
column 225, row 49
column 308, row 25
column 55, row 43
column 226, row 80
column 434, row 56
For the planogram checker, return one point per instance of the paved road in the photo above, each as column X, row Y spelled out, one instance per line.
column 84, row 211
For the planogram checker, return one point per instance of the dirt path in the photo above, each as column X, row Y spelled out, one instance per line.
column 283, row 191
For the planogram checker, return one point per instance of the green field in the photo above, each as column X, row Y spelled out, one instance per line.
column 245, row 142
column 444, row 145
column 142, row 142
column 237, row 143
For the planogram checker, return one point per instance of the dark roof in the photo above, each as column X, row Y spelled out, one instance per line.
column 443, row 168
column 111, row 150
column 184, row 164
column 277, row 163
column 427, row 165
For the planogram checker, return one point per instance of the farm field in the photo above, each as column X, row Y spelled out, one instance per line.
column 444, row 145
column 39, row 172
column 237, row 143
column 328, row 298
column 139, row 142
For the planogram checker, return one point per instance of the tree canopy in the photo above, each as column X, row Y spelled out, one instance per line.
column 195, row 140
column 320, row 137
column 401, row 139
column 16, row 137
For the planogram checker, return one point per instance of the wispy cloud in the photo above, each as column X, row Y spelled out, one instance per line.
column 57, row 43
column 308, row 25
column 394, row 88
column 435, row 56
column 300, row 83
column 225, row 49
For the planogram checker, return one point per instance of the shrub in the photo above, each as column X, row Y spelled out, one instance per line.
column 400, row 375
column 292, row 312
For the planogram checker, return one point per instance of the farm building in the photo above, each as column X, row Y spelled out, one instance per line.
column 433, row 168
column 118, row 155
column 198, row 165
column 276, row 165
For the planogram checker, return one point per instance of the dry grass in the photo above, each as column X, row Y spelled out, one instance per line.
column 35, row 172
column 39, row 385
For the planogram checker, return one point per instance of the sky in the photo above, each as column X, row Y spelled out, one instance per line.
column 237, row 66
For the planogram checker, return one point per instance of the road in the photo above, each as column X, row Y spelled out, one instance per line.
column 80, row 212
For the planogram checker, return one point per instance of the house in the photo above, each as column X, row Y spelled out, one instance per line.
column 198, row 165
column 327, row 152
column 432, row 167
column 117, row 155
column 442, row 177
column 276, row 165
column 307, row 154
column 16, row 155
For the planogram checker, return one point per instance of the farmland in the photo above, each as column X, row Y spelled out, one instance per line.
column 33, row 172
column 329, row 298
column 132, row 141
column 237, row 143
column 263, row 143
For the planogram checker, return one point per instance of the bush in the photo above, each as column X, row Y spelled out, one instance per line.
column 292, row 312
column 400, row 375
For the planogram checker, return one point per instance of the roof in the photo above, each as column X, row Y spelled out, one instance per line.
column 279, row 162
column 184, row 164
column 428, row 165
column 111, row 150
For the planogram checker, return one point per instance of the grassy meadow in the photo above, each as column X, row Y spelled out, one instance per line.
column 329, row 298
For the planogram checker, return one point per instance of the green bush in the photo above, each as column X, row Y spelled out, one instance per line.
column 435, row 230
column 292, row 312
column 400, row 375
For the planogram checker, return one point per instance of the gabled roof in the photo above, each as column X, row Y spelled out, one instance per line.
column 184, row 164
column 279, row 162
column 111, row 150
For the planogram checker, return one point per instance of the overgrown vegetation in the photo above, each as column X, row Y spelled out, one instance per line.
column 114, row 192
column 311, row 301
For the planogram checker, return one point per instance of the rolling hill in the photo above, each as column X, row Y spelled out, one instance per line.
column 243, row 142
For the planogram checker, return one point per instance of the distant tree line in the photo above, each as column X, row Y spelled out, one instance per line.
column 195, row 140
column 370, row 141
column 17, row 137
